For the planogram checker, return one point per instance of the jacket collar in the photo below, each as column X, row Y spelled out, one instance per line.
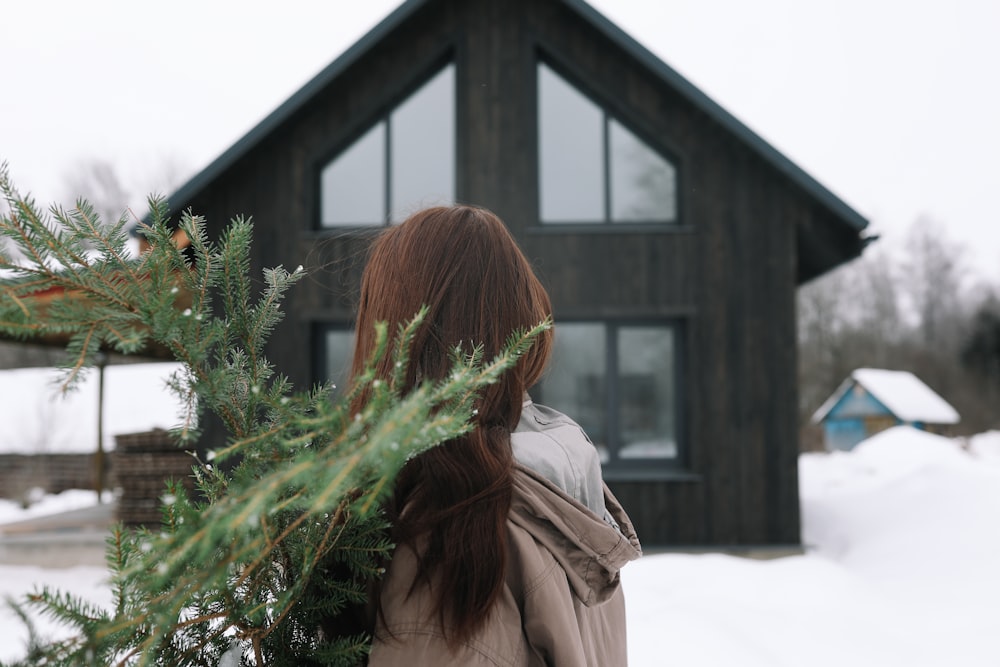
column 590, row 550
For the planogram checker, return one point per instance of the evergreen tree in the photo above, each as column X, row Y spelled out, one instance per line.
column 271, row 559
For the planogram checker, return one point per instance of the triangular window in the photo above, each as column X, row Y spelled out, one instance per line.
column 593, row 169
column 404, row 162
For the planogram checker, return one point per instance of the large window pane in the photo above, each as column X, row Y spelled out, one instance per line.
column 646, row 393
column 403, row 163
column 592, row 169
column 422, row 144
column 571, row 152
column 643, row 184
column 339, row 349
column 576, row 381
column 352, row 187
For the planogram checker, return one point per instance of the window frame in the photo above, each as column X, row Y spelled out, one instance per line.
column 617, row 467
column 321, row 352
column 380, row 117
column 609, row 112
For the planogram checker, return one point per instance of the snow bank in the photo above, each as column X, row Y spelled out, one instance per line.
column 903, row 568
column 714, row 611
column 986, row 446
column 44, row 505
column 89, row 583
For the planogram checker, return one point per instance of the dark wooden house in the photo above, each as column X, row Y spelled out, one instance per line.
column 670, row 237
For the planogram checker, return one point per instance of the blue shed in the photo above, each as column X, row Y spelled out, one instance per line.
column 872, row 400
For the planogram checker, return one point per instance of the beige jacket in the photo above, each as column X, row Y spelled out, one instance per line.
column 562, row 603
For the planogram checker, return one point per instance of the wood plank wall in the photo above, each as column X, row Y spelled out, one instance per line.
column 728, row 270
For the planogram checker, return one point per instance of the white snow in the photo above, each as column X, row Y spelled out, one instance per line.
column 902, row 392
column 986, row 446
column 16, row 581
column 44, row 505
column 39, row 418
column 902, row 569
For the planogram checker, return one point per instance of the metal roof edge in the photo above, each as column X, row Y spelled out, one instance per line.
column 834, row 203
column 283, row 112
column 830, row 403
column 643, row 55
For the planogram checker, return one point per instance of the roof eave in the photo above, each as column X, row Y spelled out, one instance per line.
column 641, row 54
column 702, row 101
column 293, row 104
column 830, row 403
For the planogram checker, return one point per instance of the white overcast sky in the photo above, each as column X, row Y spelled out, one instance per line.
column 894, row 105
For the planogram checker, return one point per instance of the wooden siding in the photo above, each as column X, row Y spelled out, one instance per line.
column 730, row 266
column 857, row 402
column 728, row 271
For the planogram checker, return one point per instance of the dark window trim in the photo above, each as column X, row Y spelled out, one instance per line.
column 606, row 149
column 327, row 233
column 658, row 227
column 318, row 331
column 420, row 75
column 676, row 468
column 387, row 163
column 623, row 113
column 616, row 469
column 574, row 76
column 649, row 473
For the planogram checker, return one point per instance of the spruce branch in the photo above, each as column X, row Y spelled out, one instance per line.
column 266, row 562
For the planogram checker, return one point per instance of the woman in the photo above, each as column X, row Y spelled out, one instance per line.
column 509, row 544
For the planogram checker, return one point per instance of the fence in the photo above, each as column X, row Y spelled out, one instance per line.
column 53, row 473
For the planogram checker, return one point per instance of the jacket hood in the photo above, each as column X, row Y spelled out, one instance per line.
column 590, row 550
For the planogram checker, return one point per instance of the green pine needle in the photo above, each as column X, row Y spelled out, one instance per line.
column 264, row 558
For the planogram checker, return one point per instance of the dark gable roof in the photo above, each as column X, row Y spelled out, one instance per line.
column 302, row 97
column 720, row 115
column 298, row 100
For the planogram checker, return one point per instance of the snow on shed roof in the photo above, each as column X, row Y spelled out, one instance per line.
column 902, row 392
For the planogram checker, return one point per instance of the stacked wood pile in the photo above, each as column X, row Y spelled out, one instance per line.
column 143, row 462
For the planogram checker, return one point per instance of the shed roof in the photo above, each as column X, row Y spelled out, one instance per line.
column 304, row 95
column 901, row 392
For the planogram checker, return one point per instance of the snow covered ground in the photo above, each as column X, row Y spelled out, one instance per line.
column 44, row 505
column 903, row 569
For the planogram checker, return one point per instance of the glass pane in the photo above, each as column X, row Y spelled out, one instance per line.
column 643, row 183
column 352, row 186
column 422, row 143
column 339, row 350
column 575, row 382
column 570, row 152
column 647, row 393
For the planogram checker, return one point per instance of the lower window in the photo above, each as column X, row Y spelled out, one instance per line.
column 619, row 381
column 336, row 349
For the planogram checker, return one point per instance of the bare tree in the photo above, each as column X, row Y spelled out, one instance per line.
column 848, row 318
column 98, row 182
column 905, row 306
column 936, row 272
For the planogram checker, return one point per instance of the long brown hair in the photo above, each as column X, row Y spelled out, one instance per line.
column 463, row 264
